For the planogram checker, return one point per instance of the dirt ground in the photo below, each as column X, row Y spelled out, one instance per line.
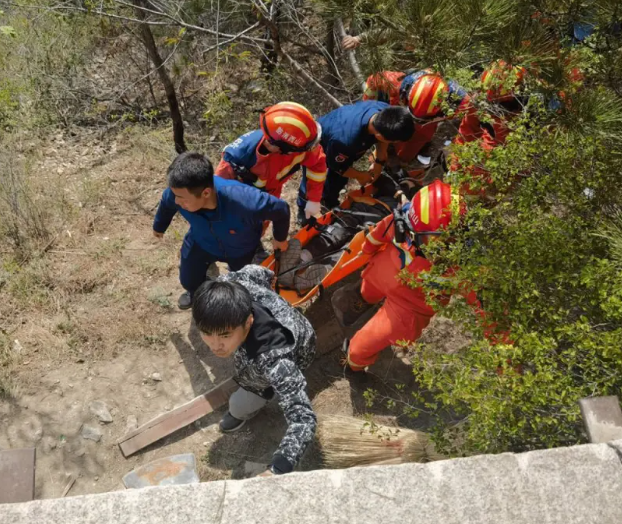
column 95, row 319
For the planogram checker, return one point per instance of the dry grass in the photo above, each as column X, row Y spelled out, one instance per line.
column 87, row 295
column 7, row 359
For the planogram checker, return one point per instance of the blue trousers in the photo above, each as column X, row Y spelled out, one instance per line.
column 195, row 262
column 330, row 195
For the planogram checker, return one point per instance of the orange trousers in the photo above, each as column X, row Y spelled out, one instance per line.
column 396, row 320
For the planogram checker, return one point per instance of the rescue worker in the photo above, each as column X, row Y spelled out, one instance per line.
column 289, row 139
column 348, row 133
column 384, row 87
column 432, row 99
column 405, row 312
column 226, row 220
column 426, row 94
column 500, row 82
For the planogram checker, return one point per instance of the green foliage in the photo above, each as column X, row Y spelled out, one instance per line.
column 544, row 276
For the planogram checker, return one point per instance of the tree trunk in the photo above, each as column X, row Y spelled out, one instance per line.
column 169, row 88
column 330, row 51
column 271, row 56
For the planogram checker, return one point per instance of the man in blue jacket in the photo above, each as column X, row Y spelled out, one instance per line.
column 348, row 132
column 226, row 219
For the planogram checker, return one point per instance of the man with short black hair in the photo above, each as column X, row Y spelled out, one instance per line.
column 348, row 133
column 226, row 219
column 240, row 316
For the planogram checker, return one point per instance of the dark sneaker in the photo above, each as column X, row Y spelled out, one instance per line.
column 185, row 300
column 349, row 305
column 229, row 424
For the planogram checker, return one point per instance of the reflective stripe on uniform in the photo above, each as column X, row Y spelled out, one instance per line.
column 371, row 239
column 315, row 176
column 285, row 171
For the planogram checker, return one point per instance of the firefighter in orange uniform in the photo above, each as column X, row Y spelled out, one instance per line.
column 405, row 313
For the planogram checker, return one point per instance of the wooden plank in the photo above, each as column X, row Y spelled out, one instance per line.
column 17, row 475
column 602, row 417
column 176, row 419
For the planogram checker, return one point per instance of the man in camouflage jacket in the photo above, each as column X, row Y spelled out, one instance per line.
column 271, row 343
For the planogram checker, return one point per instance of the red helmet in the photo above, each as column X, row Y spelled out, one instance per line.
column 432, row 207
column 500, row 79
column 426, row 96
column 290, row 126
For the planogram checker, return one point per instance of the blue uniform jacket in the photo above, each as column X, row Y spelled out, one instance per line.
column 234, row 228
column 243, row 152
column 345, row 137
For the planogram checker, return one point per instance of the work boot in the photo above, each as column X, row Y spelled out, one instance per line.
column 229, row 424
column 349, row 305
column 311, row 277
column 289, row 260
column 185, row 300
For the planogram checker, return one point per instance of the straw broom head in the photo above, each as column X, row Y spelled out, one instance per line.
column 347, row 442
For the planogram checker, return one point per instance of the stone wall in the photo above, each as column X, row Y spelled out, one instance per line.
column 581, row 484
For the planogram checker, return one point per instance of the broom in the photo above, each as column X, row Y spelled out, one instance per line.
column 347, row 442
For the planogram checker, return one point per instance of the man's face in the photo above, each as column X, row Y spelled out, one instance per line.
column 188, row 200
column 224, row 344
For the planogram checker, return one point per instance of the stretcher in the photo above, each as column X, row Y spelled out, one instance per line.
column 351, row 259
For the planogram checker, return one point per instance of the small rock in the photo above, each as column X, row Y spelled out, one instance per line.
column 80, row 452
column 206, row 444
column 131, row 423
column 100, row 410
column 91, row 433
column 96, row 479
column 17, row 347
column 156, row 377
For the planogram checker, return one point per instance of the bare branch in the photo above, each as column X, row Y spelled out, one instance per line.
column 309, row 78
column 172, row 20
